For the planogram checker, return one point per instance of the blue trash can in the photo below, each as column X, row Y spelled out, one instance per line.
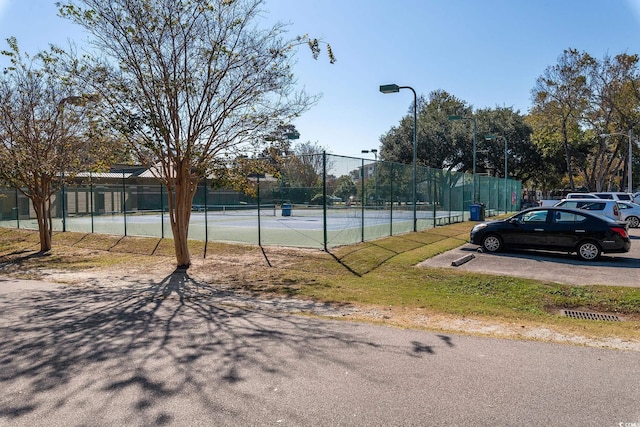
column 475, row 210
column 286, row 209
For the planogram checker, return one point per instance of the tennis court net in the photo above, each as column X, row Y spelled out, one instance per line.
column 237, row 210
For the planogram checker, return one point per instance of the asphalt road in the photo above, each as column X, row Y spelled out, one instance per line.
column 164, row 354
column 610, row 269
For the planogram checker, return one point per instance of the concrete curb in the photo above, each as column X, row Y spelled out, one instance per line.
column 462, row 260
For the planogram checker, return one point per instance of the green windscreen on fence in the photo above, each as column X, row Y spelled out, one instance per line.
column 317, row 201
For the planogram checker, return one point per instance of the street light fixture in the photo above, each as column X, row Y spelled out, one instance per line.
column 506, row 166
column 373, row 150
column 475, row 131
column 393, row 88
column 630, row 164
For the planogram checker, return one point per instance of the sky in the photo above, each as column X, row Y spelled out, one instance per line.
column 487, row 53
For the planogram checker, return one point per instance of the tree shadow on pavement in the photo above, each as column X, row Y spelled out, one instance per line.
column 81, row 351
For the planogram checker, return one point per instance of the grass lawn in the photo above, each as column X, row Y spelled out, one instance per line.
column 381, row 273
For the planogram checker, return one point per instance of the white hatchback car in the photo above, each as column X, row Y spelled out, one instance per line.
column 605, row 207
column 630, row 212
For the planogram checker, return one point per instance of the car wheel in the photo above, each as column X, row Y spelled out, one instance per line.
column 588, row 251
column 492, row 243
column 634, row 221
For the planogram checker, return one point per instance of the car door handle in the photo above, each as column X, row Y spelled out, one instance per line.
column 538, row 229
column 581, row 231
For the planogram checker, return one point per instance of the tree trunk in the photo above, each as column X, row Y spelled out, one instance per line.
column 567, row 155
column 180, row 201
column 42, row 207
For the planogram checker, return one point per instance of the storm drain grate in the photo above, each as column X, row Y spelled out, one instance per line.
column 590, row 316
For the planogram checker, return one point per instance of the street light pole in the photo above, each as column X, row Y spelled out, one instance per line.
column 629, row 172
column 475, row 131
column 506, row 174
column 393, row 88
column 630, row 159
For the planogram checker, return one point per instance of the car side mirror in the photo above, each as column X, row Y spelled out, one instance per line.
column 514, row 221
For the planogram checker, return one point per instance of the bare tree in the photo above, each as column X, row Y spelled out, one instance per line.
column 43, row 130
column 190, row 84
column 306, row 164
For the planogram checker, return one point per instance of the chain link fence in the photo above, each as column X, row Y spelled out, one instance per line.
column 317, row 201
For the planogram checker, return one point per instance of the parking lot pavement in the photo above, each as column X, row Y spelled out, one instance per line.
column 558, row 267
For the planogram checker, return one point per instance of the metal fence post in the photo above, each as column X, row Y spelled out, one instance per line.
column 362, row 200
column 91, row 208
column 449, row 182
column 435, row 189
column 124, row 205
column 206, row 222
column 17, row 211
column 391, row 201
column 63, row 202
column 462, row 208
column 259, row 223
column 161, row 212
column 324, row 198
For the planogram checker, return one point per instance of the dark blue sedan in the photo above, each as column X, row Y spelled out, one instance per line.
column 555, row 229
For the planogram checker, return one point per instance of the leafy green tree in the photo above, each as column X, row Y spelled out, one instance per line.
column 435, row 146
column 190, row 84
column 495, row 126
column 551, row 169
column 560, row 99
column 448, row 145
column 614, row 109
column 577, row 100
column 279, row 144
column 345, row 187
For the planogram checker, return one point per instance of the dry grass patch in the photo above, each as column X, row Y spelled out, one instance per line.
column 367, row 258
column 398, row 244
column 136, row 245
column 99, row 242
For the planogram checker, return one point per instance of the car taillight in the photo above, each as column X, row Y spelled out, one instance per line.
column 616, row 212
column 621, row 231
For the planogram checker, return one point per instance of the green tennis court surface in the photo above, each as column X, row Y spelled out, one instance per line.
column 270, row 225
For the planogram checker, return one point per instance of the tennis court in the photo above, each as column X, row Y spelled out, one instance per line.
column 301, row 226
column 318, row 201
